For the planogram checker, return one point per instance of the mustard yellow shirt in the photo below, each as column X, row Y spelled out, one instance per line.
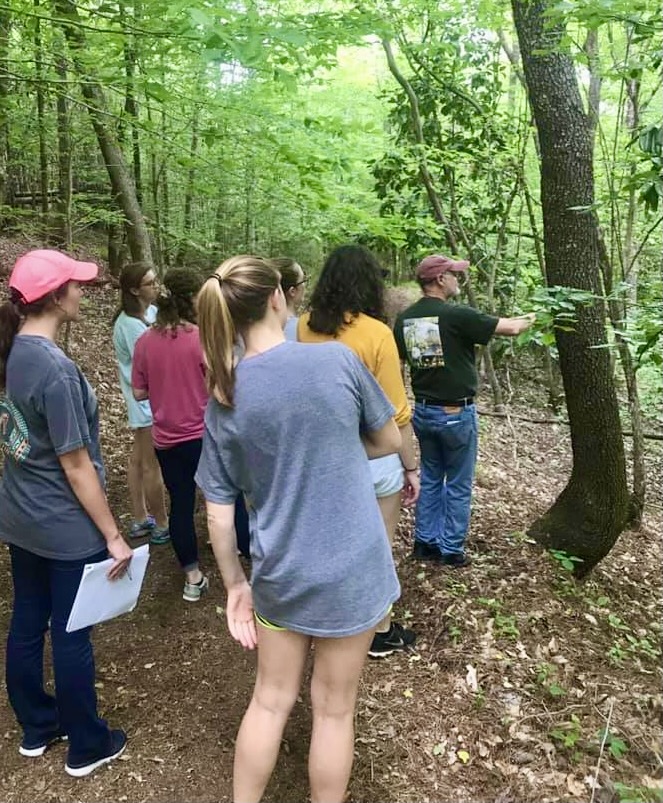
column 373, row 342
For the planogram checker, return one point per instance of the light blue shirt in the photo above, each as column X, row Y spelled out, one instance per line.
column 290, row 328
column 126, row 332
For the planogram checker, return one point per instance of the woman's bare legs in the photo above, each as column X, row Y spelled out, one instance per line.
column 281, row 660
column 336, row 672
column 144, row 477
column 135, row 477
column 390, row 507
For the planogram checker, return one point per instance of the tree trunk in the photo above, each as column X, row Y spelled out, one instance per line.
column 190, row 186
column 165, row 187
column 617, row 308
column 590, row 513
column 629, row 258
column 64, row 159
column 130, row 104
column 41, row 122
column 5, row 184
column 122, row 184
column 551, row 379
column 617, row 313
column 116, row 248
column 438, row 211
column 156, row 206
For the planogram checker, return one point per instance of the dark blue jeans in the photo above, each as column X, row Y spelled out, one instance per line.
column 448, row 444
column 178, row 468
column 45, row 589
column 242, row 527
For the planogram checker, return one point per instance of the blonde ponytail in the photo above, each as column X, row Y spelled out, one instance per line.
column 231, row 299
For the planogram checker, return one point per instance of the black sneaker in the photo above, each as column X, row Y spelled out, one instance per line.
column 424, row 551
column 455, row 560
column 117, row 745
column 36, row 749
column 396, row 638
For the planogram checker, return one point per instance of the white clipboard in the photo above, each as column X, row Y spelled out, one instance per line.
column 99, row 599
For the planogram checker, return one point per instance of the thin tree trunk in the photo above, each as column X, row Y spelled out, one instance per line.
column 629, row 259
column 617, row 313
column 595, row 80
column 220, row 226
column 154, row 188
column 249, row 219
column 130, row 104
column 122, row 184
column 418, row 131
column 41, row 122
column 436, row 204
column 548, row 365
column 590, row 513
column 190, row 186
column 5, row 159
column 617, row 308
column 63, row 224
column 165, row 194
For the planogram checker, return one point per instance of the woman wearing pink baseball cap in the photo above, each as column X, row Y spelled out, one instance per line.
column 53, row 510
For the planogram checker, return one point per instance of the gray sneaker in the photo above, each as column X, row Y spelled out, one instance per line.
column 194, row 591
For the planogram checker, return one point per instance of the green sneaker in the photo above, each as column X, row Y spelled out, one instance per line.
column 139, row 529
column 194, row 591
column 160, row 535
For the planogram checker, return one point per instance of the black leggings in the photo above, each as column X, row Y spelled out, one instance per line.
column 178, row 468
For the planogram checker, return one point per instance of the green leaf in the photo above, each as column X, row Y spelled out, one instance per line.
column 158, row 92
column 200, row 17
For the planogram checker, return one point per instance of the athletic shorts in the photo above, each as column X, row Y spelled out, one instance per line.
column 271, row 626
column 387, row 473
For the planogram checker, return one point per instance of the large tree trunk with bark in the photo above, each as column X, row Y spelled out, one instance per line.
column 122, row 184
column 590, row 513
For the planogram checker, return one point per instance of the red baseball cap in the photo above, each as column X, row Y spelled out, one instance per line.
column 431, row 267
column 38, row 273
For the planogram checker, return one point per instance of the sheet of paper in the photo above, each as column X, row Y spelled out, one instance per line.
column 99, row 598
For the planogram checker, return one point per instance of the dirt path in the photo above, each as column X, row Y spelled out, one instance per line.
column 515, row 674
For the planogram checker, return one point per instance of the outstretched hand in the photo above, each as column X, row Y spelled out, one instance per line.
column 239, row 613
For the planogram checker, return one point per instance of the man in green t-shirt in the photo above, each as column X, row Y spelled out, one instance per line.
column 437, row 339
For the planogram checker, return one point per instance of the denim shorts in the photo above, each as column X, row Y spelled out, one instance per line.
column 387, row 473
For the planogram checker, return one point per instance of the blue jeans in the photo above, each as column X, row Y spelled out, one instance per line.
column 242, row 527
column 178, row 468
column 448, row 444
column 45, row 589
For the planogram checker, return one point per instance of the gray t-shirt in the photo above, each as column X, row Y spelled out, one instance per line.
column 322, row 564
column 49, row 409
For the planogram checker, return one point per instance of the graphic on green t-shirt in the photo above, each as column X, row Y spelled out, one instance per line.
column 423, row 342
column 14, row 436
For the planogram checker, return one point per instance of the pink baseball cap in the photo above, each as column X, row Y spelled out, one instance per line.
column 431, row 267
column 38, row 273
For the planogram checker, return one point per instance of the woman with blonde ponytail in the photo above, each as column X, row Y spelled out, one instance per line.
column 292, row 427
